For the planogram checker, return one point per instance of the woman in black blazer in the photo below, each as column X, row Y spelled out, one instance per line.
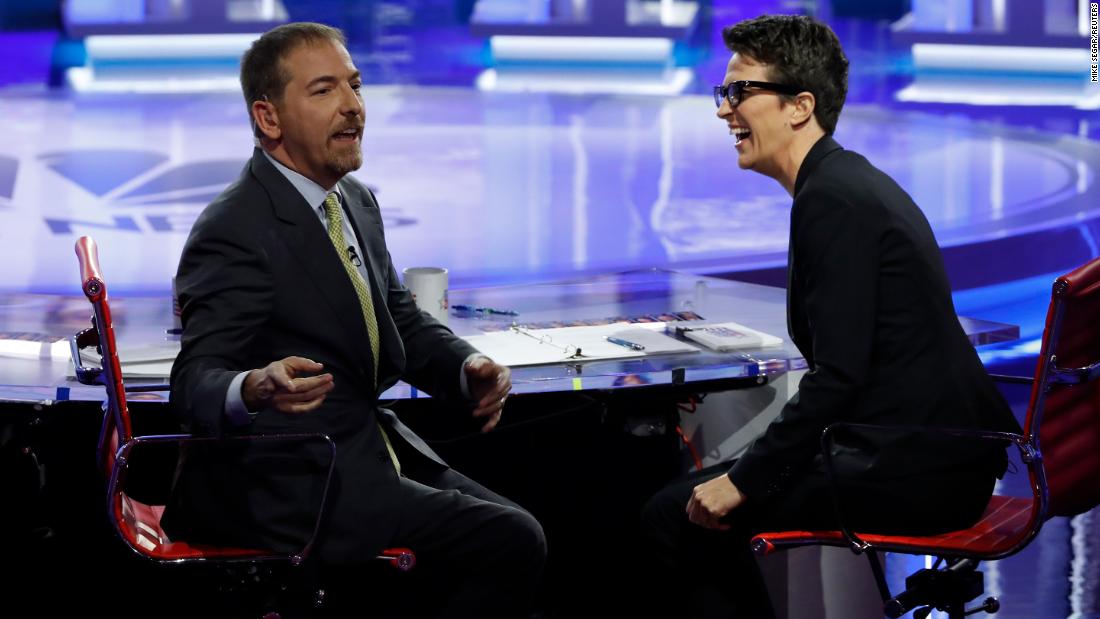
column 869, row 306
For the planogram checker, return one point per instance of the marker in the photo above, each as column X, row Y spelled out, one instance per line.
column 484, row 310
column 625, row 343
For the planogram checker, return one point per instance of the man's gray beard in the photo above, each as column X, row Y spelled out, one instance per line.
column 347, row 163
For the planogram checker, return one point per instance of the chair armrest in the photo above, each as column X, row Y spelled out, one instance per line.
column 86, row 375
column 857, row 544
column 1008, row 378
column 115, row 487
column 92, row 375
column 149, row 387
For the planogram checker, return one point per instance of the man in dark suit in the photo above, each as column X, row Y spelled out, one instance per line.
column 294, row 321
column 869, row 306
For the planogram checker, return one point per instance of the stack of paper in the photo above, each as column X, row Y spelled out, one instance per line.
column 519, row 346
column 726, row 336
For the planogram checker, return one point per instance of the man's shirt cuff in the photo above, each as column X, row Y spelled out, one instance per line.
column 235, row 410
column 462, row 384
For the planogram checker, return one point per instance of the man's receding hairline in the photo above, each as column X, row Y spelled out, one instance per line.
column 310, row 42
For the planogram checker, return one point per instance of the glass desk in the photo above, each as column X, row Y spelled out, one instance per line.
column 652, row 292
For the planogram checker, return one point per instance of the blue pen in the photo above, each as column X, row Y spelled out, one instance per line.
column 483, row 310
column 625, row 343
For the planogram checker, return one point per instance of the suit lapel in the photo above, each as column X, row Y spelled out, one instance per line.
column 797, row 326
column 365, row 218
column 301, row 231
column 790, row 285
column 796, row 316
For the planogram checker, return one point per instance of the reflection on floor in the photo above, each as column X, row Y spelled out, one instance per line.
column 505, row 187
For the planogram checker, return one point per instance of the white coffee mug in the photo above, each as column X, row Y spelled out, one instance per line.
column 428, row 286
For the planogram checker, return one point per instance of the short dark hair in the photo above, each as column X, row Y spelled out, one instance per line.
column 799, row 51
column 262, row 71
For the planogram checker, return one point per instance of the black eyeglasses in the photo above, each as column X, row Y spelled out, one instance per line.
column 735, row 91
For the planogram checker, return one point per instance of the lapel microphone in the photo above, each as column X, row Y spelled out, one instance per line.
column 354, row 257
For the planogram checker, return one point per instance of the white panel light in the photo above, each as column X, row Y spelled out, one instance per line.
column 164, row 46
column 632, row 50
column 585, row 82
column 1045, row 60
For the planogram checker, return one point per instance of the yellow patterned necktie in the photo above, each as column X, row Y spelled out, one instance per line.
column 335, row 217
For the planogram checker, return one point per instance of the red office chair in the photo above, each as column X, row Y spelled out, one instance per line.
column 139, row 523
column 1060, row 446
